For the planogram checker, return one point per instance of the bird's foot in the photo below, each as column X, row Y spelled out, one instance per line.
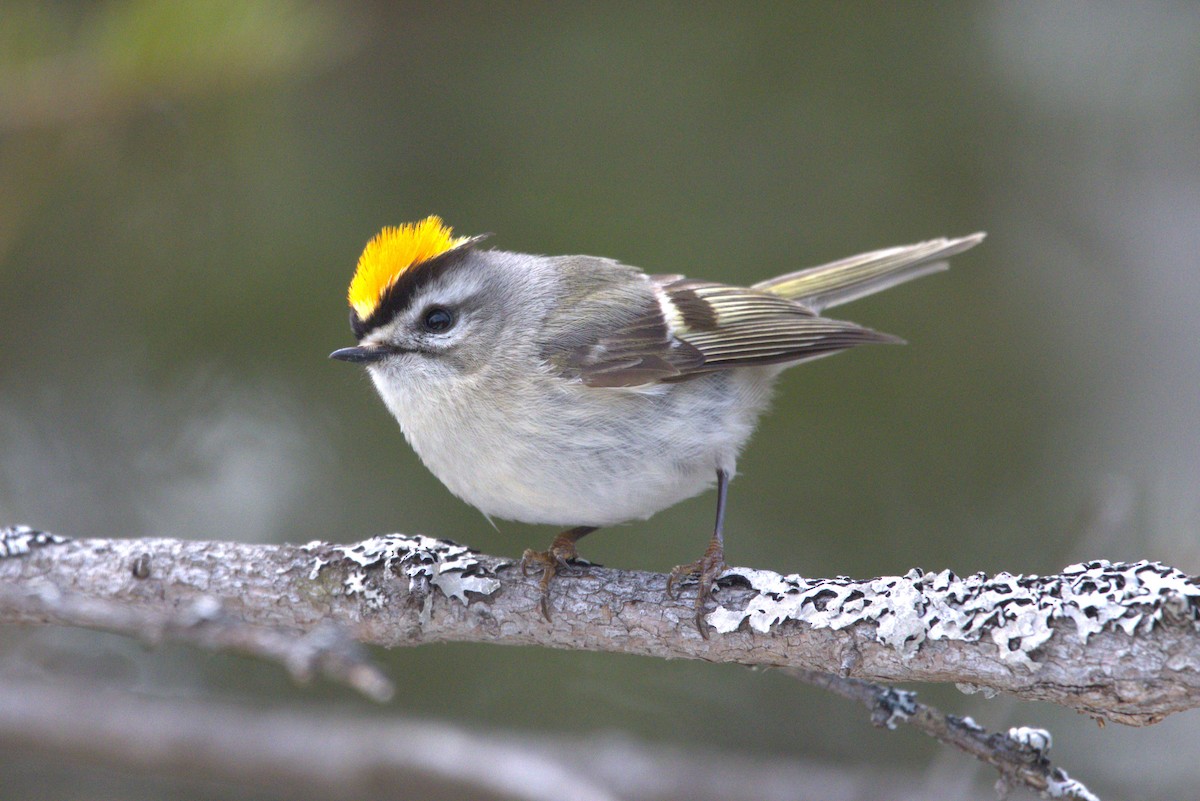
column 704, row 571
column 561, row 556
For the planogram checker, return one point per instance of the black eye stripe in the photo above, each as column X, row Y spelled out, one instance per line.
column 401, row 294
column 437, row 319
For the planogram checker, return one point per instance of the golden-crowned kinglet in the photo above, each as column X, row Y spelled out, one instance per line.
column 579, row 391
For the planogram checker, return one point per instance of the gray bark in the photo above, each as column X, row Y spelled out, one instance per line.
column 1115, row 641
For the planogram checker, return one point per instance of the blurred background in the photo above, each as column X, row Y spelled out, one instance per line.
column 185, row 189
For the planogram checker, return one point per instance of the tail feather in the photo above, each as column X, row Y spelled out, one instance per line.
column 858, row 276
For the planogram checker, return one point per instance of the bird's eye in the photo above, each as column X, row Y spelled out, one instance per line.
column 438, row 319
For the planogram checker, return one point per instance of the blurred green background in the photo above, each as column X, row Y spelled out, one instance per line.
column 185, row 188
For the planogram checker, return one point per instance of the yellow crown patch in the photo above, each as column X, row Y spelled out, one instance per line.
column 391, row 253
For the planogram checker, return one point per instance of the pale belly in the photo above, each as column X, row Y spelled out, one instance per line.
column 581, row 456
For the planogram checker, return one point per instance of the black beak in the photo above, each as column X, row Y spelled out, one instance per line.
column 359, row 355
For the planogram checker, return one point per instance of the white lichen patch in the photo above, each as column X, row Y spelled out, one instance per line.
column 894, row 706
column 1038, row 740
column 1014, row 612
column 428, row 563
column 966, row 722
column 20, row 540
column 1060, row 785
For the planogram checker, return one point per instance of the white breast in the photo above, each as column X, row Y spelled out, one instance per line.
column 555, row 451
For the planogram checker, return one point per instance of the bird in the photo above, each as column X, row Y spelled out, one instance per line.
column 582, row 392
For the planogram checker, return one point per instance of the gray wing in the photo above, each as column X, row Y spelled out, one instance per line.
column 614, row 333
column 628, row 333
column 735, row 327
column 676, row 328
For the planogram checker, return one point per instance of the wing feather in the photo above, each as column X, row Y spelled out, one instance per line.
column 665, row 328
column 687, row 328
column 867, row 273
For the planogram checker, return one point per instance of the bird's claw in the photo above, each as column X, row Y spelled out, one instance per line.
column 560, row 557
column 704, row 571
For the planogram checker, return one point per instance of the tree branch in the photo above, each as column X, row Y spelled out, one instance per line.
column 1117, row 641
column 1113, row 640
column 324, row 650
column 1019, row 754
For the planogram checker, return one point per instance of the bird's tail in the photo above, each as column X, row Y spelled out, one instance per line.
column 858, row 276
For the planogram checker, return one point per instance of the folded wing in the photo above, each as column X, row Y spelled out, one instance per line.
column 685, row 327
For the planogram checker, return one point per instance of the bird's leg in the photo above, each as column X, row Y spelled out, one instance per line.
column 706, row 569
column 560, row 553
